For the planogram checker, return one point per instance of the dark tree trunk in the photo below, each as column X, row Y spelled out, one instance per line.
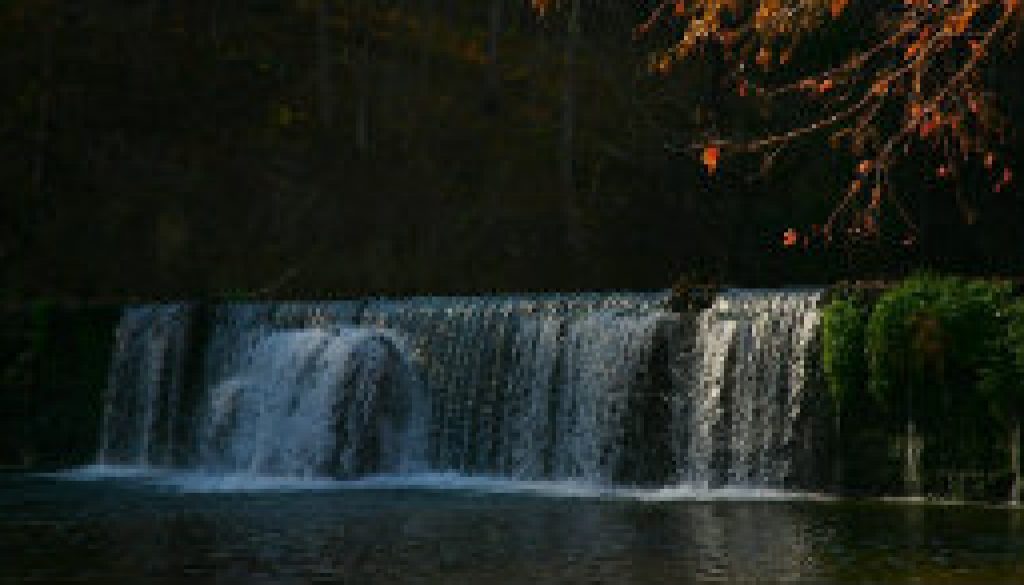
column 837, row 451
column 44, row 105
column 362, row 73
column 493, row 71
column 574, row 219
column 427, row 20
column 323, row 49
column 1015, row 470
column 215, row 22
column 912, row 461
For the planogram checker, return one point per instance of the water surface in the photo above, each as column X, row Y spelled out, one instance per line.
column 197, row 529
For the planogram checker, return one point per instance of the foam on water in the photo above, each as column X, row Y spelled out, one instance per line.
column 192, row 482
column 196, row 481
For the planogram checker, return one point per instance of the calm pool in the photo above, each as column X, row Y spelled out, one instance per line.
column 125, row 530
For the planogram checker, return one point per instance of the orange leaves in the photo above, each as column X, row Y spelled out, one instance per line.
column 912, row 50
column 957, row 24
column 790, row 238
column 767, row 12
column 709, row 157
column 813, row 85
column 662, row 64
column 728, row 38
column 837, row 7
column 1006, row 179
column 927, row 127
column 876, row 197
column 931, row 122
column 917, row 82
column 541, row 6
column 869, row 223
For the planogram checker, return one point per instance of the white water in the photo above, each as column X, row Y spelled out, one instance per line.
column 747, row 392
column 144, row 385
column 206, row 482
column 536, row 393
column 310, row 402
column 603, row 354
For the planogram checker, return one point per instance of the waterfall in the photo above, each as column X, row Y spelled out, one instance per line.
column 604, row 354
column 600, row 388
column 311, row 403
column 528, row 396
column 746, row 393
column 511, row 380
column 699, row 403
column 144, row 385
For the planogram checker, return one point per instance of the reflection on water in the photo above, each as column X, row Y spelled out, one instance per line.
column 124, row 531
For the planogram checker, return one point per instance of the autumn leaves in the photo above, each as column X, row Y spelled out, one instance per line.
column 709, row 157
column 916, row 89
column 916, row 92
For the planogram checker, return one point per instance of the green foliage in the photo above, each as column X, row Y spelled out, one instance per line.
column 1002, row 379
column 930, row 342
column 1015, row 338
column 843, row 348
column 1014, row 389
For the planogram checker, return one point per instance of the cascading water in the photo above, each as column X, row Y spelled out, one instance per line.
column 511, row 381
column 312, row 403
column 603, row 389
column 604, row 354
column 746, row 392
column 144, row 385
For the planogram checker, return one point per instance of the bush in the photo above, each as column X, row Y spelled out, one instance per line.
column 1002, row 379
column 1015, row 339
column 843, row 349
column 930, row 342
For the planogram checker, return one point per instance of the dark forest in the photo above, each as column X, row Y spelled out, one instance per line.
column 311, row 149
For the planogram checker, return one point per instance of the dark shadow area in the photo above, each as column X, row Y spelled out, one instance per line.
column 313, row 149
